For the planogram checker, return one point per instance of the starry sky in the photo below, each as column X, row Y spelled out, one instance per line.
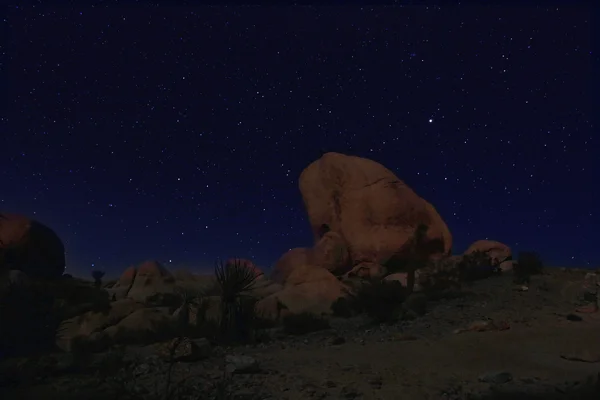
column 179, row 133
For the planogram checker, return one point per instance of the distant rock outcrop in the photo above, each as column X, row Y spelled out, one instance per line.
column 140, row 283
column 374, row 212
column 151, row 279
column 31, row 247
column 499, row 253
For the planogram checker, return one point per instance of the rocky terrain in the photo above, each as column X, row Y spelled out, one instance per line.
column 522, row 341
column 378, row 308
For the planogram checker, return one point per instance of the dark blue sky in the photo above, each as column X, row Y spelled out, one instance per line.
column 180, row 133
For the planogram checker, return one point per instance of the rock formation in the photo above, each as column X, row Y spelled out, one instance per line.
column 369, row 207
column 31, row 247
column 499, row 253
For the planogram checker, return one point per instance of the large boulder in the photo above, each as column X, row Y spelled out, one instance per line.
column 145, row 324
column 367, row 270
column 31, row 247
column 87, row 324
column 263, row 287
column 307, row 289
column 288, row 262
column 123, row 285
column 370, row 208
column 151, row 279
column 331, row 252
column 402, row 277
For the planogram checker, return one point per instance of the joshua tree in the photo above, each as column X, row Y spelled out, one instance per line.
column 233, row 279
column 97, row 275
column 418, row 259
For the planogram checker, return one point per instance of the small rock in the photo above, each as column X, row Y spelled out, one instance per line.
column 574, row 317
column 337, row 341
column 241, row 364
column 496, row 377
column 583, row 356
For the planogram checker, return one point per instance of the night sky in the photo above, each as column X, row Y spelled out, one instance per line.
column 179, row 134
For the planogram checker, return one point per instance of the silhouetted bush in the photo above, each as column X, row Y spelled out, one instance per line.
column 97, row 276
column 528, row 264
column 171, row 300
column 382, row 300
column 303, row 323
column 477, row 265
column 238, row 318
column 345, row 307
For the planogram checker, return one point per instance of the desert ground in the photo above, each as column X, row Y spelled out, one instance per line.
column 524, row 342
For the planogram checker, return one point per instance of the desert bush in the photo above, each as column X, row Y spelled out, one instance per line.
column 477, row 265
column 528, row 263
column 303, row 323
column 237, row 309
column 382, row 300
column 97, row 275
column 170, row 300
column 345, row 307
column 440, row 276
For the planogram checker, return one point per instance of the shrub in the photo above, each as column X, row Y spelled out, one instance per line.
column 382, row 300
column 171, row 300
column 97, row 276
column 238, row 311
column 303, row 323
column 528, row 263
column 345, row 307
column 477, row 265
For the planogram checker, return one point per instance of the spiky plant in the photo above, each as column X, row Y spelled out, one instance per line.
column 234, row 279
column 187, row 300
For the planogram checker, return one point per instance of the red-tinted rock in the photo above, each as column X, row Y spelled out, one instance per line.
column 331, row 253
column 288, row 262
column 31, row 247
column 151, row 279
column 498, row 252
column 369, row 207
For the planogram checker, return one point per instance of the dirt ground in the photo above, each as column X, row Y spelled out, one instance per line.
column 421, row 359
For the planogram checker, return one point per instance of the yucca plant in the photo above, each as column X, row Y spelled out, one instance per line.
column 234, row 279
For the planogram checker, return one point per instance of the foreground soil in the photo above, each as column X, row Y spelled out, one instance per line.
column 547, row 350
